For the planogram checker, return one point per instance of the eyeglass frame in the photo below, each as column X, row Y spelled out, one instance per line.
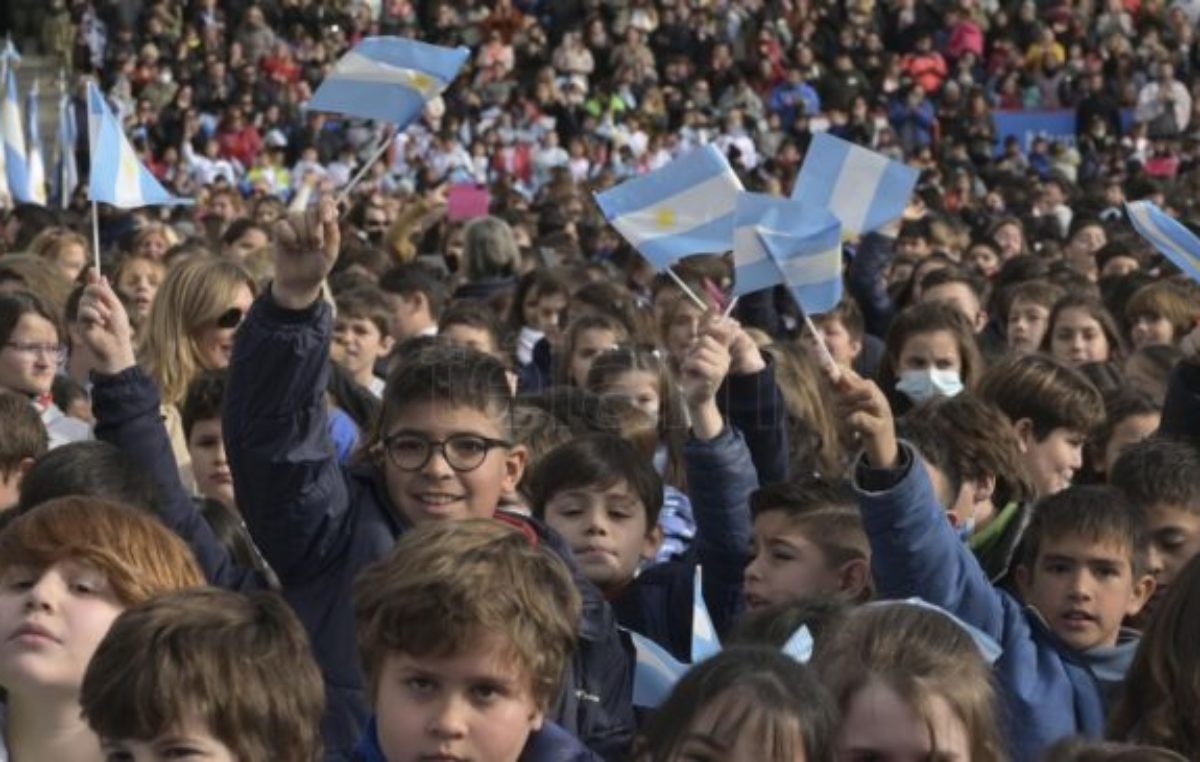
column 230, row 318
column 490, row 444
column 57, row 351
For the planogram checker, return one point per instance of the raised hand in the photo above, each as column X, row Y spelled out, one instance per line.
column 707, row 361
column 306, row 248
column 104, row 326
column 865, row 408
column 746, row 357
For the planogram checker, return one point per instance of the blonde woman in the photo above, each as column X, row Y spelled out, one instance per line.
column 63, row 248
column 192, row 321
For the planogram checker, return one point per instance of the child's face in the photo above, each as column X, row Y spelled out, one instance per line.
column 1129, row 431
column 639, row 387
column 477, row 704
column 960, row 297
column 985, row 260
column 209, row 464
column 1053, row 461
column 683, row 329
column 589, row 345
column 70, row 260
column 215, row 343
column 191, row 740
column 933, row 349
column 1078, row 338
column 362, row 346
column 607, row 531
column 785, row 565
column 841, row 344
column 546, row 314
column 469, row 336
column 436, row 491
column 29, row 360
column 1151, row 330
column 1174, row 540
column 51, row 621
column 1027, row 323
column 881, row 726
column 1084, row 589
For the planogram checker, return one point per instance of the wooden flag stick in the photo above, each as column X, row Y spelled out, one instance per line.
column 687, row 290
column 379, row 151
column 824, row 358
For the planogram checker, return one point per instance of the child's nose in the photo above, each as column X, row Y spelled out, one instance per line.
column 449, row 718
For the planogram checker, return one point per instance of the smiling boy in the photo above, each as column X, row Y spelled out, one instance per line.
column 361, row 328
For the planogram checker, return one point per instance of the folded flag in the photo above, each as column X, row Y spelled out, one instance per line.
column 655, row 672
column 684, row 207
column 36, row 164
column 705, row 643
column 16, row 161
column 782, row 241
column 1167, row 235
column 117, row 177
column 389, row 79
column 863, row 189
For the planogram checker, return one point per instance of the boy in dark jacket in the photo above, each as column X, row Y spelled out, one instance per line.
column 1083, row 572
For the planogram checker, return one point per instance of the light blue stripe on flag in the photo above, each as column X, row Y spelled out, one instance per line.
column 389, row 79
column 863, row 189
column 684, row 207
column 705, row 643
column 753, row 269
column 655, row 672
column 66, row 177
column 811, row 264
column 36, row 166
column 12, row 130
column 1167, row 235
column 117, row 177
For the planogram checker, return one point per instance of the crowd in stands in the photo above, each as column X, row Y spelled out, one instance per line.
column 298, row 477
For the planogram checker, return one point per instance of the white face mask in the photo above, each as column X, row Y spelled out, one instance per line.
column 921, row 385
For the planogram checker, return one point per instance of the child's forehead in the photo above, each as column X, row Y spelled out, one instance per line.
column 617, row 487
column 442, row 418
column 1087, row 548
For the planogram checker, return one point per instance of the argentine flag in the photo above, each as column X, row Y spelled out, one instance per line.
column 781, row 241
column 36, row 164
column 1167, row 235
column 117, row 177
column 16, row 163
column 684, row 207
column 863, row 189
column 389, row 79
column 66, row 176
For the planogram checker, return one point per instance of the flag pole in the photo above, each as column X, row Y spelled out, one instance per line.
column 729, row 308
column 687, row 290
column 95, row 206
column 384, row 142
column 824, row 358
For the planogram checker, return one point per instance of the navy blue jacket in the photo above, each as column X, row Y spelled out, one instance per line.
column 319, row 524
column 754, row 406
column 1050, row 690
column 658, row 603
column 549, row 744
column 864, row 281
column 1181, row 409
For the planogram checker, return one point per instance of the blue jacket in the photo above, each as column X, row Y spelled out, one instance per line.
column 1050, row 691
column 658, row 603
column 549, row 744
column 319, row 524
column 754, row 406
column 865, row 282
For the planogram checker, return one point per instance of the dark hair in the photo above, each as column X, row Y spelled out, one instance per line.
column 65, row 390
column 540, row 282
column 1097, row 513
column 475, row 315
column 17, row 305
column 414, row 278
column 22, row 433
column 775, row 625
column 848, row 314
column 948, row 275
column 1047, row 392
column 1159, row 471
column 802, row 495
column 777, row 692
column 93, row 469
column 205, row 399
column 239, row 227
column 1096, row 310
column 597, row 461
column 365, row 303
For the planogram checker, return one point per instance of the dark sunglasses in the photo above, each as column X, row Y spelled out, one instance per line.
column 230, row 318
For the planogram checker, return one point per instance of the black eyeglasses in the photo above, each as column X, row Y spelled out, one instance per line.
column 230, row 318
column 463, row 452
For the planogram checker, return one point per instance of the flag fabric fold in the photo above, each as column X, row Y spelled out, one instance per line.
column 16, row 161
column 1167, row 235
column 863, row 189
column 35, row 162
column 66, row 173
column 684, row 207
column 117, row 177
column 389, row 79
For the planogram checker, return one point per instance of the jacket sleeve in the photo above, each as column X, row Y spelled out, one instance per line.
column 865, row 282
column 757, row 310
column 1181, row 409
column 127, row 416
column 290, row 487
column 755, row 407
column 720, row 479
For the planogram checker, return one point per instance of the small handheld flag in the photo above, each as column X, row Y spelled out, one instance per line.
column 389, row 79
column 863, row 189
column 36, row 164
column 66, row 176
column 655, row 672
column 1167, row 235
column 16, row 161
column 684, row 207
column 704, row 636
column 117, row 177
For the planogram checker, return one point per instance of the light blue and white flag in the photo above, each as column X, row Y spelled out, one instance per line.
column 705, row 643
column 117, row 177
column 9, row 54
column 684, row 207
column 66, row 173
column 863, row 189
column 1167, row 235
column 782, row 241
column 800, row 645
column 389, row 79
column 16, row 161
column 655, row 672
column 36, row 164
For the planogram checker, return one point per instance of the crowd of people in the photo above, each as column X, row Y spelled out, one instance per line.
column 297, row 478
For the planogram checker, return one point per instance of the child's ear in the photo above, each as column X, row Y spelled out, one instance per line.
column 856, row 346
column 854, row 577
column 984, row 489
column 24, row 466
column 1025, row 438
column 514, row 467
column 1143, row 588
column 537, row 720
column 386, row 342
column 654, row 539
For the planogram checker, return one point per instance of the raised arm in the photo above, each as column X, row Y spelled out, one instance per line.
column 751, row 399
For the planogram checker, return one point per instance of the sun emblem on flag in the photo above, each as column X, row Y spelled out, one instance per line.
column 420, row 81
column 665, row 218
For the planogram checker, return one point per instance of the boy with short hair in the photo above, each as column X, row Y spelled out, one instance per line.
column 361, row 330
column 842, row 329
column 201, row 416
column 1162, row 478
column 808, row 541
column 960, row 289
column 1054, row 409
column 416, row 297
column 472, row 325
column 23, row 439
column 1028, row 316
column 1083, row 572
column 466, row 630
column 220, row 674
